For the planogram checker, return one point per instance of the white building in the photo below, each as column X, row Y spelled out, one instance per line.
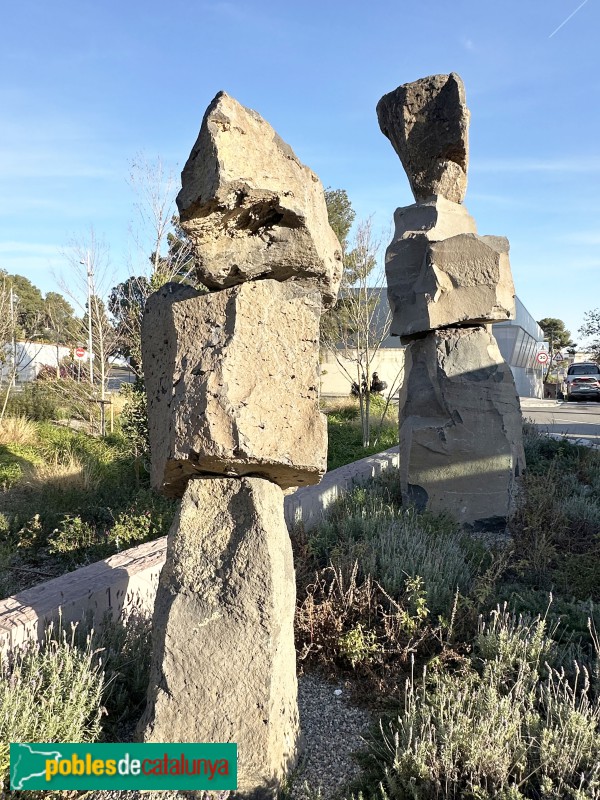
column 518, row 339
column 29, row 358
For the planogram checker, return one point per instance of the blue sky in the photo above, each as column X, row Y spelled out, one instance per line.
column 86, row 86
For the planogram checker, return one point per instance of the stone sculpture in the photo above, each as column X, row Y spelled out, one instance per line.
column 460, row 421
column 232, row 385
column 252, row 209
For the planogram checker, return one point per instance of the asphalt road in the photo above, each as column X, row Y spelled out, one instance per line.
column 574, row 420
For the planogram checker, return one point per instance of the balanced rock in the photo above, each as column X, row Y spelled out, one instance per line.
column 427, row 123
column 463, row 279
column 460, row 427
column 224, row 665
column 233, row 385
column 252, row 209
column 415, row 227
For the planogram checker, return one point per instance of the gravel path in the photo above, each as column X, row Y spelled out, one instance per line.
column 332, row 729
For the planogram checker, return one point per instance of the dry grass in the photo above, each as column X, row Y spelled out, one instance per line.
column 18, row 430
column 65, row 472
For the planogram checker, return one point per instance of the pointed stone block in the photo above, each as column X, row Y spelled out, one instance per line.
column 233, row 385
column 427, row 123
column 252, row 209
column 460, row 427
column 224, row 664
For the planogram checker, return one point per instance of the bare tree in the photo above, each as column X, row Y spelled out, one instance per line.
column 360, row 322
column 163, row 251
column 8, row 360
column 87, row 286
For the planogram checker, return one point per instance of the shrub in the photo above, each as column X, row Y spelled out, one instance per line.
column 506, row 726
column 390, row 543
column 50, row 693
column 33, row 401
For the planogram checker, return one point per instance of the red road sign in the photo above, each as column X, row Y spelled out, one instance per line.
column 80, row 352
column 542, row 357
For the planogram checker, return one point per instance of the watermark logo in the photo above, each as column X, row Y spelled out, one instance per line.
column 123, row 766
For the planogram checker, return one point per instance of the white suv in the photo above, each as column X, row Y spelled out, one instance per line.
column 582, row 382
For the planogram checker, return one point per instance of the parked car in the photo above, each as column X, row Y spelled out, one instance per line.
column 582, row 382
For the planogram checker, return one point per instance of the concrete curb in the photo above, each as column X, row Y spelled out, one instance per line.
column 128, row 580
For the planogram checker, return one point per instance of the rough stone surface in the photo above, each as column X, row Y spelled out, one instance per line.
column 460, row 427
column 434, row 284
column 415, row 227
column 224, row 665
column 427, row 123
column 233, row 386
column 252, row 209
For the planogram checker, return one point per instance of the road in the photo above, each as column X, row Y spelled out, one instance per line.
column 574, row 420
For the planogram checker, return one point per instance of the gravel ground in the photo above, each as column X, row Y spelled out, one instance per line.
column 332, row 729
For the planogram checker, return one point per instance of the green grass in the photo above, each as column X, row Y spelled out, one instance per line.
column 345, row 433
column 69, row 499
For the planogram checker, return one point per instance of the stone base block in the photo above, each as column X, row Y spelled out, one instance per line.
column 224, row 665
column 233, row 386
column 460, row 427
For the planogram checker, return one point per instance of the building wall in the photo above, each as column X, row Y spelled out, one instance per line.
column 30, row 358
column 519, row 340
column 335, row 380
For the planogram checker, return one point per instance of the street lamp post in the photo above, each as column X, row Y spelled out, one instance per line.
column 90, row 278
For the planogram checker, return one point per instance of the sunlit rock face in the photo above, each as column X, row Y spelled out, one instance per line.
column 460, row 427
column 232, row 380
column 232, row 383
column 251, row 209
column 440, row 272
column 223, row 666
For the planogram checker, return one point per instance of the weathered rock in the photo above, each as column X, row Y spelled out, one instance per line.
column 433, row 284
column 233, row 385
column 223, row 664
column 427, row 123
column 460, row 427
column 252, row 209
column 415, row 226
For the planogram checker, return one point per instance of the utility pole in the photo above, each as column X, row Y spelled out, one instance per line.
column 90, row 282
column 14, row 336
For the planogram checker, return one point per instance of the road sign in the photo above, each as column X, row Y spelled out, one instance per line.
column 558, row 356
column 80, row 352
column 542, row 357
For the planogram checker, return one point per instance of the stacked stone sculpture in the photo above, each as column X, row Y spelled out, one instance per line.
column 460, row 420
column 233, row 387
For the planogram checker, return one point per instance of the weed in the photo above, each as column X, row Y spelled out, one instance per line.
column 18, row 430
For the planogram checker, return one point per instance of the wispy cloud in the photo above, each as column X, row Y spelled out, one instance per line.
column 567, row 19
column 468, row 44
column 585, row 238
column 25, row 258
column 50, row 164
column 581, row 164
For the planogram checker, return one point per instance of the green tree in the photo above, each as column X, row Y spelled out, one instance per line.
column 341, row 214
column 126, row 303
column 558, row 337
column 591, row 329
column 30, row 310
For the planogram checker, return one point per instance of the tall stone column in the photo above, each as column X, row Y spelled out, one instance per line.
column 460, row 420
column 233, row 410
